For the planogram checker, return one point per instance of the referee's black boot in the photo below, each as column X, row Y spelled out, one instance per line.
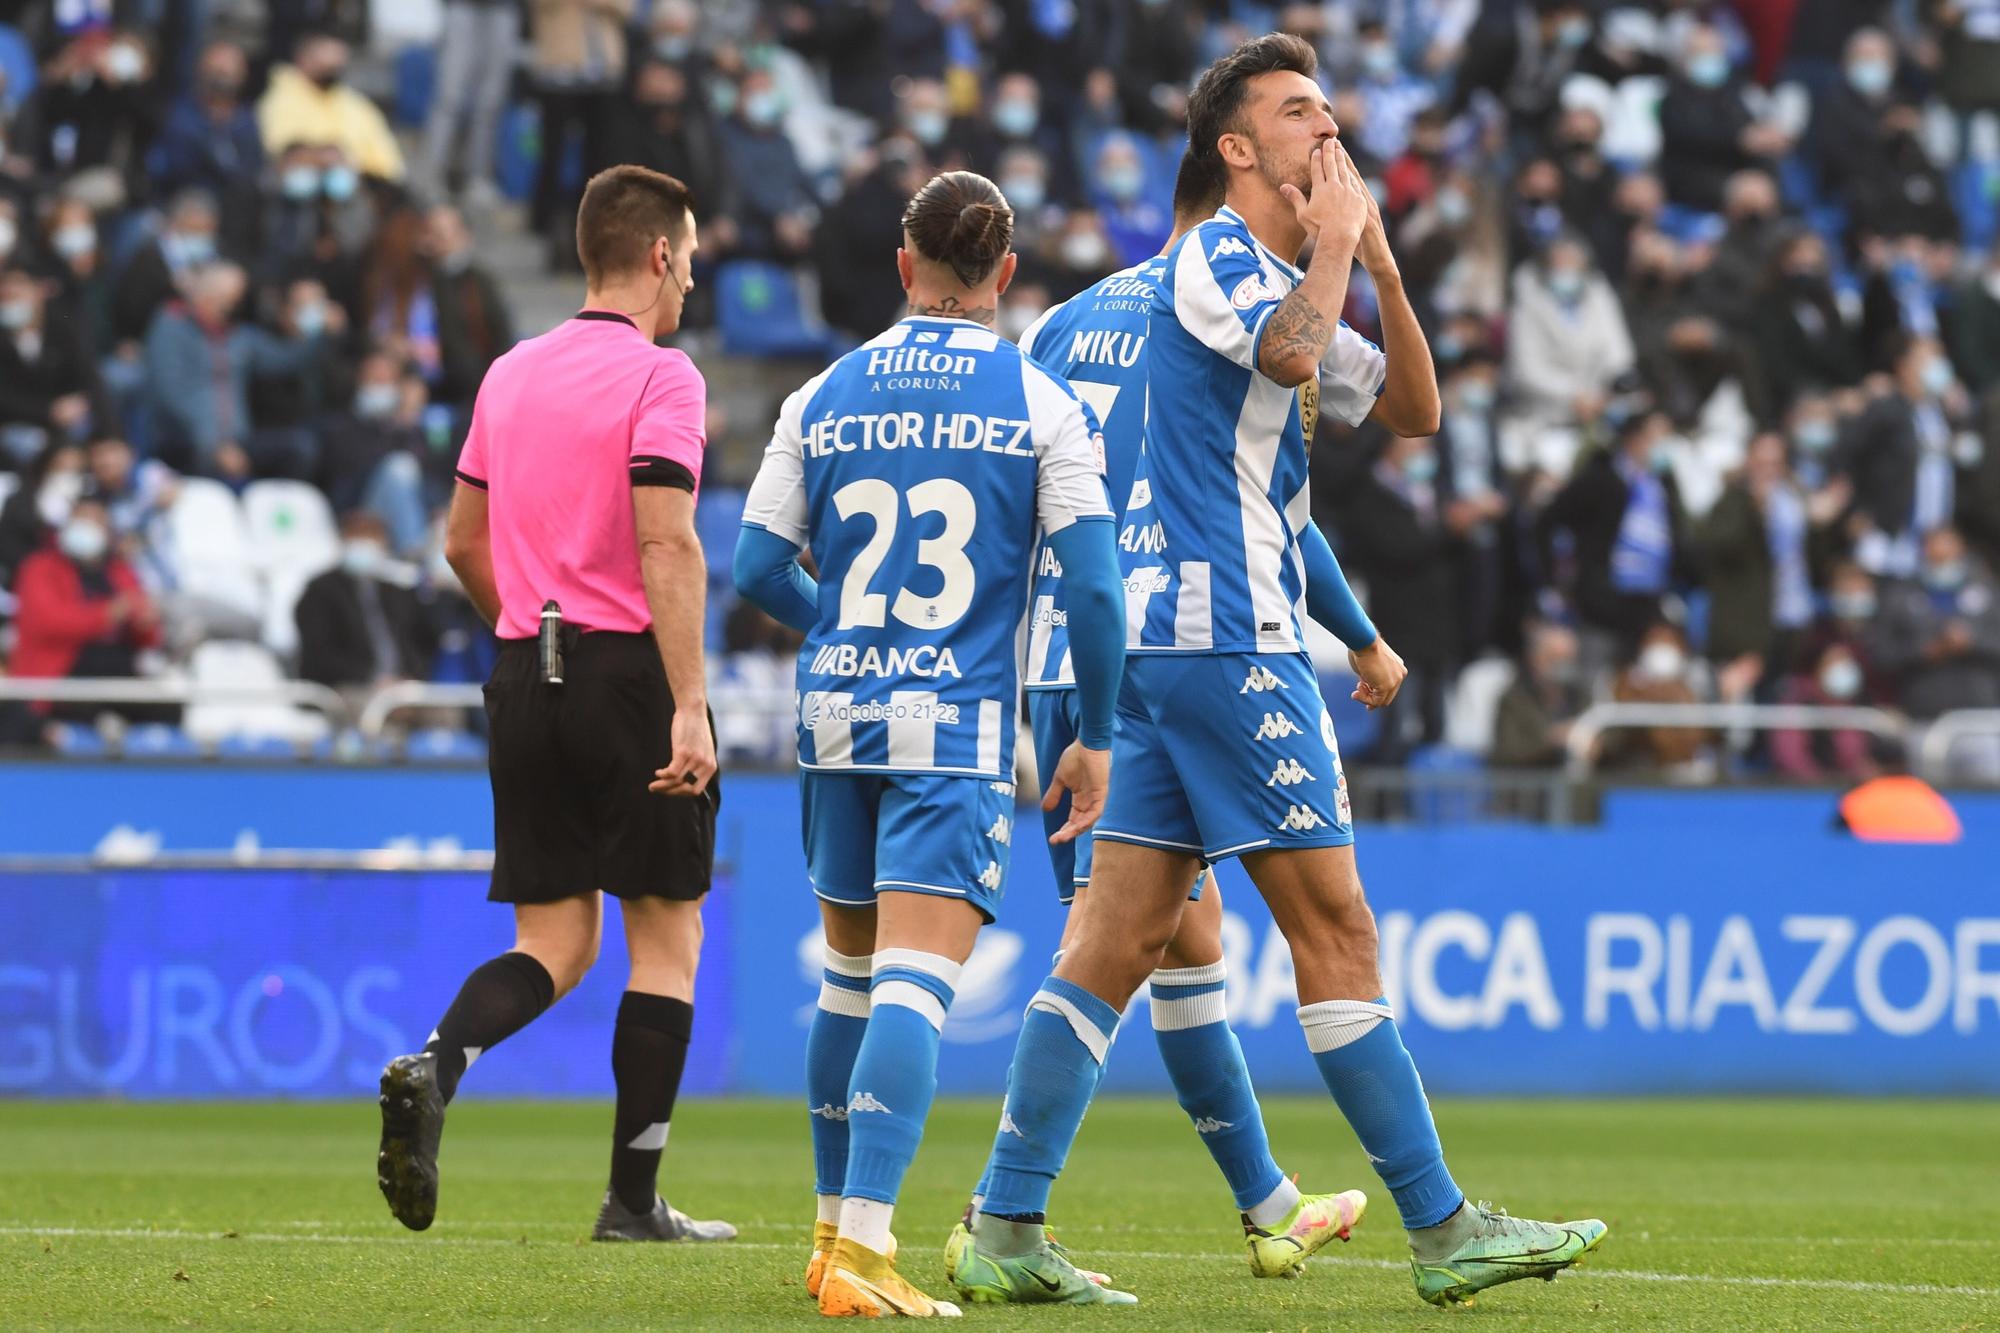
column 617, row 1222
column 412, row 1123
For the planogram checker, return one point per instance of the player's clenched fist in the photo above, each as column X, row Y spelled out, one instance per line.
column 1380, row 671
column 1337, row 209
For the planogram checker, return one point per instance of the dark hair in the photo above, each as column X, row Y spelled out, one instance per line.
column 1198, row 187
column 1216, row 101
column 624, row 210
column 961, row 220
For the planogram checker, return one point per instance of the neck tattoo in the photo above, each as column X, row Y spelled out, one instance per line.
column 952, row 308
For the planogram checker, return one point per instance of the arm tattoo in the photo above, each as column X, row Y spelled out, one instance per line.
column 952, row 308
column 1296, row 328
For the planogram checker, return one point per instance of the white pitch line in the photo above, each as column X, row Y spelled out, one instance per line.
column 1593, row 1274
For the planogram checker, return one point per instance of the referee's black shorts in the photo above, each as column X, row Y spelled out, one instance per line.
column 570, row 764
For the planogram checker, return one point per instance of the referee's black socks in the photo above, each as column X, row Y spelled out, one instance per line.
column 648, row 1052
column 502, row 996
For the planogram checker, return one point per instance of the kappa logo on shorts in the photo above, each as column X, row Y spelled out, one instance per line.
column 1208, row 1124
column 990, row 876
column 1002, row 831
column 1288, row 773
column 1260, row 679
column 1004, row 788
column 1276, row 727
column 828, row 1111
column 1301, row 819
column 865, row 1101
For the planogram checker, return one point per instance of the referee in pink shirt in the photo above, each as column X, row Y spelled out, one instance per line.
column 572, row 529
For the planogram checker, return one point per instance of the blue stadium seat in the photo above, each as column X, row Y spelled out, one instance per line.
column 74, row 741
column 157, row 740
column 1444, row 805
column 1975, row 193
column 441, row 745
column 256, row 747
column 761, row 312
column 17, row 66
column 416, row 84
column 519, row 149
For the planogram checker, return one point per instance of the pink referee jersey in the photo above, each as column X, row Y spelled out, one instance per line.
column 565, row 425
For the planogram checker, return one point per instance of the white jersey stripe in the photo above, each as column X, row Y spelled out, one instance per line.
column 912, row 731
column 1194, row 623
column 1265, row 541
column 989, row 734
column 833, row 736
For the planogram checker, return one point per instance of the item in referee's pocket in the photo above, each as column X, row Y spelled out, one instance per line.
column 551, row 643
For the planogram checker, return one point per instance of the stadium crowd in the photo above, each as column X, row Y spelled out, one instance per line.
column 1713, row 288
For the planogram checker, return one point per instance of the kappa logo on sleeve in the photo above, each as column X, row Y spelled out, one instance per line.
column 1229, row 245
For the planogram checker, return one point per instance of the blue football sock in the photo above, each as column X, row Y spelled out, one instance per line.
column 1361, row 1057
column 1206, row 1064
column 831, row 1045
column 895, row 1074
column 1057, row 1063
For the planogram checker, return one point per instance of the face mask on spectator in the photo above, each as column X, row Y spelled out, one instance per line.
column 1566, row 283
column 1025, row 193
column 300, row 182
column 1660, row 458
column 928, row 127
column 58, row 496
column 363, row 557
column 221, row 87
column 1453, row 207
column 763, row 109
column 83, row 540
column 1852, row 605
column 1937, row 376
column 311, row 319
column 1420, row 468
column 1814, row 436
column 1573, row 33
column 1015, row 319
column 1084, row 250
column 1476, row 397
column 1946, row 577
column 329, row 78
column 190, row 249
column 1449, row 346
column 1379, row 60
column 1841, row 679
column 455, row 263
column 1122, row 182
column 124, row 63
column 340, row 183
column 376, row 402
column 74, row 241
column 1871, row 78
column 1708, row 70
column 1016, row 117
column 8, row 235
column 16, row 315
column 673, row 47
column 1661, row 662
column 722, row 97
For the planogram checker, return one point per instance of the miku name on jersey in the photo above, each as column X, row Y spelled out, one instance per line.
column 918, row 430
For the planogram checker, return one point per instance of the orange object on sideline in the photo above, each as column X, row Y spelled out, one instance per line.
column 1899, row 809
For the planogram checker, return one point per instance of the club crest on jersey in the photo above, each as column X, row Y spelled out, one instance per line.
column 1288, row 773
column 1253, row 290
column 1260, row 679
column 1300, row 819
column 1276, row 727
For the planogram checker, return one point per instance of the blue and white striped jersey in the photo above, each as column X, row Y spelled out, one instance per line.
column 1214, row 565
column 918, row 469
column 1097, row 341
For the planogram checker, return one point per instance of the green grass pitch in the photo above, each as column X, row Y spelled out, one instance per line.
column 1764, row 1214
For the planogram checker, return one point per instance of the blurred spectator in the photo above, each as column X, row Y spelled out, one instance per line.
column 1742, row 255
column 133, row 491
column 1399, row 532
column 1904, row 193
column 398, row 303
column 48, row 373
column 1134, row 223
column 755, row 674
column 1972, row 326
column 1969, row 71
column 13, row 250
column 1845, row 142
column 82, row 612
column 1659, row 673
column 308, row 101
column 774, row 202
column 1531, row 724
column 49, row 488
column 1081, row 254
column 1937, row 636
column 92, row 106
column 1567, row 340
column 315, row 221
column 474, row 323
column 1707, row 131
column 1392, row 97
column 1151, row 59
column 668, row 128
column 155, row 273
column 200, row 359
column 1898, row 453
column 1834, row 679
column 373, row 452
column 359, row 628
column 1621, row 514
column 1801, row 338
column 83, row 287
column 1753, row 550
column 856, row 240
column 209, row 139
column 1469, row 463
column 1454, row 248
column 578, row 66
column 475, row 65
column 1523, row 54
column 1018, row 122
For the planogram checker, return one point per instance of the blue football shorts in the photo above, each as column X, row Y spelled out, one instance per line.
column 1219, row 754
column 942, row 834
column 1054, row 716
